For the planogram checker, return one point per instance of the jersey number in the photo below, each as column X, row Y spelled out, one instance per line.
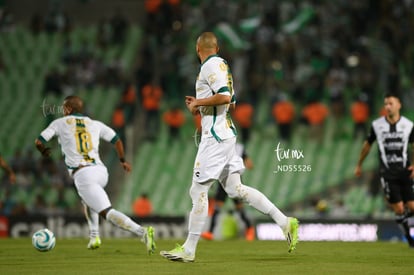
column 83, row 140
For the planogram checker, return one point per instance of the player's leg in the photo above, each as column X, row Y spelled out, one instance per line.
column 209, row 163
column 198, row 214
column 393, row 192
column 235, row 189
column 407, row 193
column 92, row 218
column 401, row 219
column 89, row 182
column 249, row 231
column 409, row 216
column 196, row 222
column 219, row 200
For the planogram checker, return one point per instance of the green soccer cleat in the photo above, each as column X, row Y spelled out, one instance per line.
column 291, row 233
column 148, row 240
column 94, row 243
column 178, row 254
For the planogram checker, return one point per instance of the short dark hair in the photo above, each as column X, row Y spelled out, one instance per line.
column 75, row 103
column 392, row 94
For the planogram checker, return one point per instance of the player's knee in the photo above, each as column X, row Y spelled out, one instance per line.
column 104, row 212
column 198, row 192
column 233, row 191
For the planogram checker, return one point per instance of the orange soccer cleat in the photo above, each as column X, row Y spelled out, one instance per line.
column 250, row 233
column 207, row 235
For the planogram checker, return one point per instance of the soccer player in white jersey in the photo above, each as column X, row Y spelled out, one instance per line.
column 216, row 157
column 79, row 136
column 394, row 133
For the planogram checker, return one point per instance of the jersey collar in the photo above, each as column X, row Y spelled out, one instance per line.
column 211, row 56
column 77, row 114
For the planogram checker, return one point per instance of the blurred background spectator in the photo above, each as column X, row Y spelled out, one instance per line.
column 175, row 119
column 142, row 206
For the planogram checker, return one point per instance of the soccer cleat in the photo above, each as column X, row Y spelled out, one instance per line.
column 291, row 233
column 94, row 243
column 148, row 240
column 178, row 254
column 207, row 235
column 250, row 233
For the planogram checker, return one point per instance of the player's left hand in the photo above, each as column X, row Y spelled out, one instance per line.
column 190, row 102
column 126, row 166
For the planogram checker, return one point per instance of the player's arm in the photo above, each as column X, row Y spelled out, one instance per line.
column 366, row 147
column 41, row 147
column 215, row 100
column 108, row 134
column 8, row 170
column 119, row 147
column 44, row 137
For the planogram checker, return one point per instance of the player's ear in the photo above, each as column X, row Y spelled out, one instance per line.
column 67, row 110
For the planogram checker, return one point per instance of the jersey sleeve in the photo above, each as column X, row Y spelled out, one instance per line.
column 217, row 77
column 372, row 136
column 48, row 133
column 107, row 133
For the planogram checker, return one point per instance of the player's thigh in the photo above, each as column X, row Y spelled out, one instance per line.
column 407, row 189
column 392, row 190
column 212, row 157
column 90, row 184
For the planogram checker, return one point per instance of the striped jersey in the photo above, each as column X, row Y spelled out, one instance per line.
column 215, row 77
column 393, row 141
column 79, row 137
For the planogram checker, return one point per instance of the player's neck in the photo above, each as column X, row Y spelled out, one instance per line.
column 393, row 119
column 204, row 56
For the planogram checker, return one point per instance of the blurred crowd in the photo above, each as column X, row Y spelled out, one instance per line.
column 42, row 187
column 84, row 66
column 308, row 60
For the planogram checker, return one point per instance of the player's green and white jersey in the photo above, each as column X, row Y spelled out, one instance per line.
column 215, row 77
column 79, row 137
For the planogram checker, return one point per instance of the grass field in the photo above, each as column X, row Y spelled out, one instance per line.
column 128, row 256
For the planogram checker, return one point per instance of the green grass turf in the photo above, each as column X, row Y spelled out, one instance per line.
column 128, row 256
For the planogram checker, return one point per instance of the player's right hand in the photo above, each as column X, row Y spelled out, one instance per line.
column 126, row 166
column 358, row 171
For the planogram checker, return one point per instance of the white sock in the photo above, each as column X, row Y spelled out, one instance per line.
column 198, row 215
column 93, row 221
column 123, row 221
column 190, row 244
column 255, row 198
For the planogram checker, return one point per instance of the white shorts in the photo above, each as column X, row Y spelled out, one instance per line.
column 216, row 160
column 90, row 183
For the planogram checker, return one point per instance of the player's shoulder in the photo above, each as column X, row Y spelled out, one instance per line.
column 379, row 121
column 407, row 121
column 74, row 119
